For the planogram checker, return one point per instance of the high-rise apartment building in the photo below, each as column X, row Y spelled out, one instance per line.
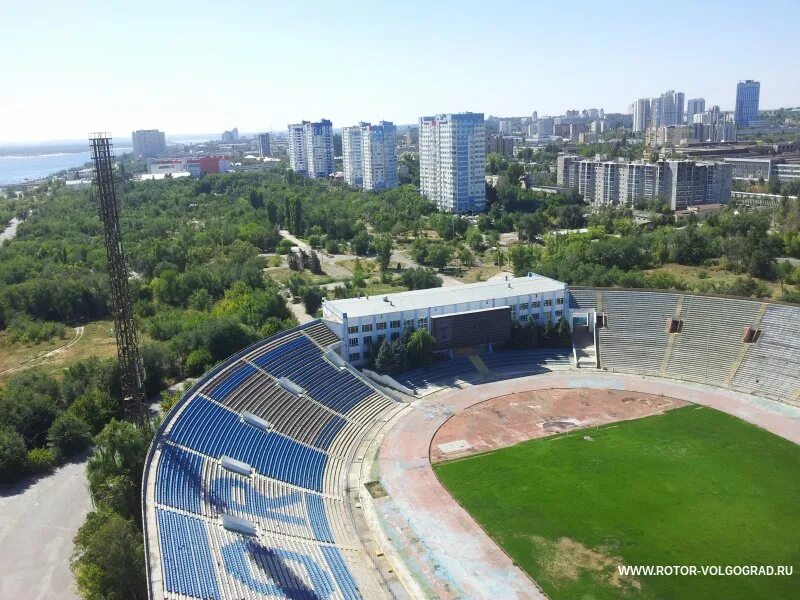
column 311, row 148
column 670, row 108
column 148, row 143
column 695, row 106
column 747, row 93
column 681, row 183
column 452, row 160
column 715, row 126
column 641, row 115
column 369, row 155
column 264, row 147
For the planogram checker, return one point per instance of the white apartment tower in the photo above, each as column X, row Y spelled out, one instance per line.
column 370, row 155
column 311, row 148
column 452, row 160
column 695, row 106
column 148, row 143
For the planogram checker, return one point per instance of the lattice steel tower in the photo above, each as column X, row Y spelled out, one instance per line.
column 130, row 362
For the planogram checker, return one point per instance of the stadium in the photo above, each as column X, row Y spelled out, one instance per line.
column 287, row 472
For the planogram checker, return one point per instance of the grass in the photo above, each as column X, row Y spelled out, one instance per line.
column 97, row 340
column 691, row 487
column 693, row 275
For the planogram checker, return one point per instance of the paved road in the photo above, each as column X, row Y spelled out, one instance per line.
column 37, row 526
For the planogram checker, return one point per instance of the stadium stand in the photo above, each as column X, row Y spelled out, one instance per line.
column 771, row 366
column 527, row 362
column 635, row 338
column 582, row 298
column 711, row 338
column 440, row 374
column 240, row 506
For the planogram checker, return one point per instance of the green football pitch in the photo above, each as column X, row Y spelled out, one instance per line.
column 690, row 487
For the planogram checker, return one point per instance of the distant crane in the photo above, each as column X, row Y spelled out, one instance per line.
column 130, row 361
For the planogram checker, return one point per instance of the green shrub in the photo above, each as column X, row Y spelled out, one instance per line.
column 41, row 460
column 13, row 456
column 198, row 361
column 69, row 434
column 25, row 330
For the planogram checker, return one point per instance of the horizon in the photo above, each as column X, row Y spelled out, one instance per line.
column 280, row 67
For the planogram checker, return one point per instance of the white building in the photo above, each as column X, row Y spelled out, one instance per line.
column 641, row 115
column 452, row 158
column 680, row 183
column 369, row 155
column 695, row 106
column 311, row 148
column 148, row 143
column 363, row 323
column 352, row 155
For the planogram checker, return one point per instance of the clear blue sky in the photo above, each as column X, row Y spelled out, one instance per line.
column 70, row 67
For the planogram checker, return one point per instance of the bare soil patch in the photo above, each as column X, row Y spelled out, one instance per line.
column 507, row 420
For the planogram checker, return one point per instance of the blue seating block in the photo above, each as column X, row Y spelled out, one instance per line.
column 186, row 556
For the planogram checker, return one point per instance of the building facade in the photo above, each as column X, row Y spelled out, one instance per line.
column 747, row 94
column 715, row 126
column 369, row 155
column 695, row 106
column 363, row 323
column 264, row 145
column 452, row 158
column 641, row 115
column 311, row 148
column 148, row 143
column 680, row 183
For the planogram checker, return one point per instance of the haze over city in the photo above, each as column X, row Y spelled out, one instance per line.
column 188, row 67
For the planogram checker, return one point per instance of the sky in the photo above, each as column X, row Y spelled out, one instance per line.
column 73, row 67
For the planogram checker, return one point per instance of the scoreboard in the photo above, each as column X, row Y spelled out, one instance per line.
column 484, row 326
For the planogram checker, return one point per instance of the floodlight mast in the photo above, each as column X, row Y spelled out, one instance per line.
column 130, row 361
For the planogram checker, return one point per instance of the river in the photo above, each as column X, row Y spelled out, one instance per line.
column 16, row 169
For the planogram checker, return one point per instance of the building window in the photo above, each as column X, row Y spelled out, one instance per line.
column 355, row 356
column 395, row 336
column 523, row 306
column 394, row 324
column 352, row 329
column 380, row 326
column 535, row 316
column 368, row 340
column 353, row 342
column 523, row 318
column 381, row 337
column 409, row 322
column 559, row 301
column 422, row 322
column 548, row 302
column 537, row 304
column 559, row 313
column 367, row 327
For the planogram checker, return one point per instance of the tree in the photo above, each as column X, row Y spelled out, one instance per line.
column 385, row 359
column 383, row 248
column 564, row 332
column 312, row 299
column 314, row 265
column 438, row 255
column 200, row 300
column 361, row 243
column 69, row 434
column 465, row 257
column 522, row 258
column 774, row 185
column 515, row 171
column 421, row 279
column 108, row 560
column 420, row 348
column 115, row 468
column 474, row 239
column 13, row 455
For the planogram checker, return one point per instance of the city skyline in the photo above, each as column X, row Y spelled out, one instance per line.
column 262, row 81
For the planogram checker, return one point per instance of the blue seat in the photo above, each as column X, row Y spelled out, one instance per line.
column 185, row 551
column 216, row 431
column 178, row 480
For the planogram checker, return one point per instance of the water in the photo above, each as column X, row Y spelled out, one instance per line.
column 19, row 168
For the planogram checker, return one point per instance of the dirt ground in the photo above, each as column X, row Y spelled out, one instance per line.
column 507, row 420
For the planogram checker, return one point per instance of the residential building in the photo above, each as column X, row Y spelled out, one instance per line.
column 751, row 167
column 228, row 137
column 681, row 183
column 452, row 152
column 747, row 93
column 363, row 323
column 352, row 155
column 264, row 147
column 369, row 155
column 669, row 136
column 148, row 143
column 695, row 106
column 715, row 126
column 641, row 115
column 311, row 148
column 670, row 109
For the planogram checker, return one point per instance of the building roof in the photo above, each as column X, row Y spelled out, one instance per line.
column 444, row 296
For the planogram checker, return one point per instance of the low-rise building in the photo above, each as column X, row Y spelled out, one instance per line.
column 363, row 323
